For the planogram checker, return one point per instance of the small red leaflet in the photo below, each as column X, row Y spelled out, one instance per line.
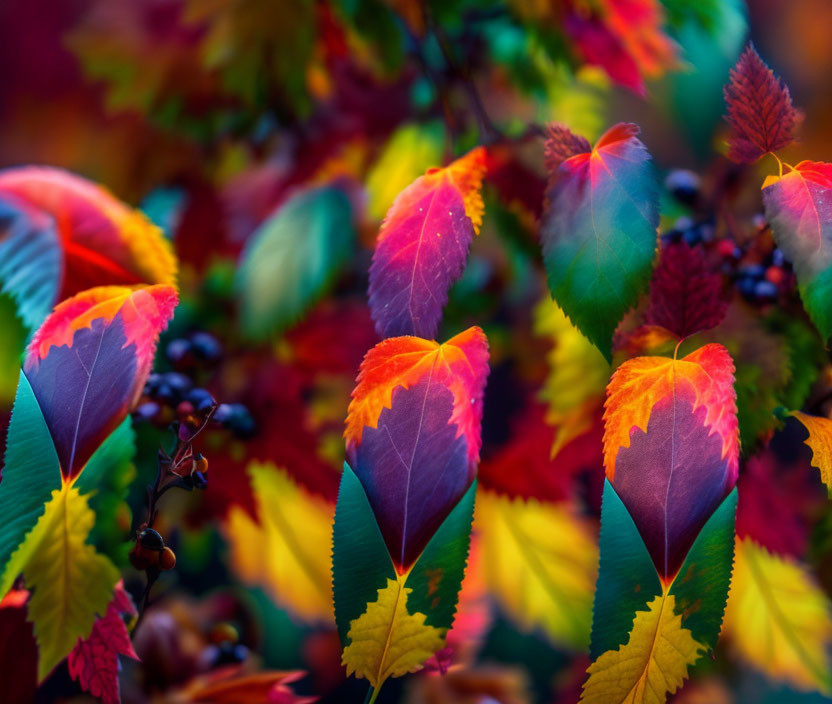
column 760, row 110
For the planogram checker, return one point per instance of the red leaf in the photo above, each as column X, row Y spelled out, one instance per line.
column 561, row 143
column 93, row 663
column 18, row 650
column 760, row 110
column 685, row 296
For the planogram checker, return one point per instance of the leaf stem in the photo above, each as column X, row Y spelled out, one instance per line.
column 371, row 695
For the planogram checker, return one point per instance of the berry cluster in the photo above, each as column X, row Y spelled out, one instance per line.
column 150, row 552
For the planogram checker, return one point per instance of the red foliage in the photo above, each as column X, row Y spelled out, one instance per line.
column 18, row 651
column 685, row 296
column 561, row 143
column 760, row 110
column 94, row 660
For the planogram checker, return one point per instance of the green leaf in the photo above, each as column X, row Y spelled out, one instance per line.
column 701, row 587
column 11, row 347
column 627, row 578
column 106, row 478
column 361, row 564
column 292, row 259
column 437, row 575
column 30, row 474
column 599, row 232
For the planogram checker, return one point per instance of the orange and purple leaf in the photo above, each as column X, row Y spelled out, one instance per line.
column 798, row 206
column 760, row 110
column 460, row 364
column 88, row 362
column 422, row 247
column 414, row 468
column 671, row 446
column 93, row 663
column 599, row 232
column 104, row 242
column 685, row 295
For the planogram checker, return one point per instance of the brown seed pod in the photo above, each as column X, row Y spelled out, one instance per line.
column 142, row 558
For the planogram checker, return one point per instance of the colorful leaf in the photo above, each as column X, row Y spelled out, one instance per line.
column 72, row 584
column 820, row 442
column 540, row 562
column 389, row 641
column 652, row 664
column 671, row 446
column 93, row 663
column 799, row 208
column 685, row 295
column 760, row 110
column 220, row 688
column 103, row 241
column 287, row 550
column 30, row 473
column 578, row 374
column 779, row 619
column 460, row 364
column 599, row 232
column 422, row 247
column 293, row 258
column 88, row 362
column 414, row 468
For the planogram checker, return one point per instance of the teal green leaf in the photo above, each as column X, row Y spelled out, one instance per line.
column 292, row 259
column 701, row 587
column 106, row 478
column 361, row 564
column 437, row 575
column 627, row 578
column 30, row 474
column 599, row 232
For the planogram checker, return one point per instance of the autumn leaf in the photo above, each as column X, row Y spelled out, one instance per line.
column 652, row 664
column 798, row 206
column 820, row 442
column 103, row 241
column 71, row 583
column 779, row 619
column 287, row 549
column 93, row 663
column 672, row 488
column 222, row 687
column 460, row 364
column 280, row 273
column 88, row 362
column 539, row 562
column 422, row 247
column 578, row 374
column 760, row 110
column 685, row 295
column 387, row 640
column 599, row 232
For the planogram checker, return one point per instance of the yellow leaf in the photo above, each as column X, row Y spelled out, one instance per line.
column 820, row 441
column 71, row 583
column 287, row 551
column 578, row 375
column 408, row 154
column 541, row 565
column 652, row 664
column 778, row 618
column 387, row 641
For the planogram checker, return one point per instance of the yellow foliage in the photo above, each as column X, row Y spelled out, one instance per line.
column 71, row 583
column 578, row 375
column 408, row 154
column 287, row 551
column 652, row 664
column 541, row 565
column 820, row 440
column 387, row 641
column 778, row 619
